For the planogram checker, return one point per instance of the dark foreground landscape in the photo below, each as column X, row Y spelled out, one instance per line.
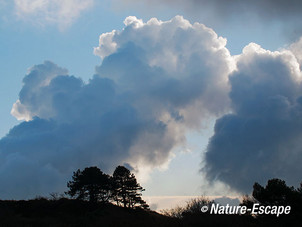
column 98, row 199
column 68, row 212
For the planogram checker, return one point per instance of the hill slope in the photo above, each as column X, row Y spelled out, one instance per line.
column 65, row 212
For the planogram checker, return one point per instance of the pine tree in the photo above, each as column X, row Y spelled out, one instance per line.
column 126, row 190
column 90, row 184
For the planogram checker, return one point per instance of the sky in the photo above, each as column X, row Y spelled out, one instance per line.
column 195, row 97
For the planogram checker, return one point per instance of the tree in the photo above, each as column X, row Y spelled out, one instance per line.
column 90, row 184
column 126, row 190
column 277, row 193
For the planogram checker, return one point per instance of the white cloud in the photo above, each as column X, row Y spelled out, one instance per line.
column 296, row 48
column 59, row 12
column 189, row 55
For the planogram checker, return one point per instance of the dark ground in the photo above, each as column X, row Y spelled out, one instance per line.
column 66, row 212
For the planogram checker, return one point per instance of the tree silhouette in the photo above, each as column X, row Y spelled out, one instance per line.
column 90, row 184
column 126, row 190
column 300, row 188
column 276, row 192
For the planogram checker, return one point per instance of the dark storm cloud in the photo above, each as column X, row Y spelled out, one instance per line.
column 265, row 8
column 261, row 139
column 265, row 15
column 236, row 8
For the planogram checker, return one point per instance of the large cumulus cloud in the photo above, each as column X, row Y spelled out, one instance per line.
column 261, row 139
column 180, row 68
column 156, row 80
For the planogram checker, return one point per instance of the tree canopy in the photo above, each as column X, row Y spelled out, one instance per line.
column 126, row 189
column 276, row 193
column 94, row 185
column 91, row 184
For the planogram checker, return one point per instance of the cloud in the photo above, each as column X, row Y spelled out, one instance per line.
column 295, row 48
column 265, row 15
column 234, row 8
column 59, row 12
column 171, row 64
column 156, row 81
column 78, row 125
column 224, row 200
column 261, row 138
column 34, row 100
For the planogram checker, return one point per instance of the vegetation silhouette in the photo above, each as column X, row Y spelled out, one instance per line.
column 93, row 185
column 98, row 199
column 192, row 207
column 191, row 215
column 275, row 193
column 126, row 190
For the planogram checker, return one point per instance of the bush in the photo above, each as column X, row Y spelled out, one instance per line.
column 193, row 206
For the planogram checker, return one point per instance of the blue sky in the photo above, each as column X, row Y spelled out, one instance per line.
column 66, row 34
